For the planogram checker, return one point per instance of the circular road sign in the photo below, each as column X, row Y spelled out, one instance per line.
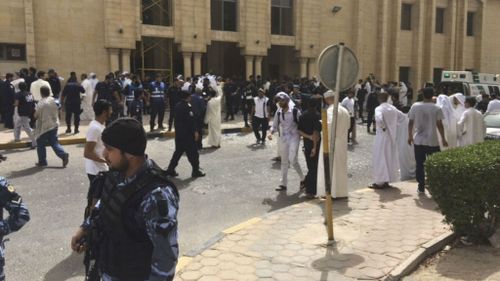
column 328, row 64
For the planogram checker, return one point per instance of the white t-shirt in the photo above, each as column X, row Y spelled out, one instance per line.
column 261, row 107
column 425, row 117
column 348, row 104
column 94, row 135
column 493, row 106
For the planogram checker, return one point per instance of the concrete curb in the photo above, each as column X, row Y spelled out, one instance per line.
column 425, row 251
column 81, row 140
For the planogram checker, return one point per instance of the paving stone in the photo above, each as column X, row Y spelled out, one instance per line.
column 191, row 275
column 264, row 273
column 209, row 270
column 209, row 261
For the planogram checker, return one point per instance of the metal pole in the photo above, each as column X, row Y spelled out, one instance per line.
column 333, row 134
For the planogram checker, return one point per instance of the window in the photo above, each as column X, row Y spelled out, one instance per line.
column 282, row 17
column 224, row 15
column 157, row 12
column 438, row 72
column 406, row 16
column 404, row 74
column 470, row 23
column 440, row 20
column 16, row 52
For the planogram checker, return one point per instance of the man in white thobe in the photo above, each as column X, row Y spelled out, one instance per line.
column 406, row 153
column 471, row 126
column 385, row 147
column 38, row 84
column 286, row 122
column 338, row 165
column 87, row 106
column 213, row 118
column 494, row 105
column 449, row 121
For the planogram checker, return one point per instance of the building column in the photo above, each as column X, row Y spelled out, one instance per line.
column 114, row 59
column 30, row 32
column 197, row 63
column 303, row 67
column 312, row 68
column 187, row 64
column 249, row 66
column 126, row 60
column 258, row 66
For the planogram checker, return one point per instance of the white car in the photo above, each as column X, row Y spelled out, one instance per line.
column 492, row 121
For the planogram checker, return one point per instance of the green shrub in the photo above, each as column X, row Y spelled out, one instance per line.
column 465, row 183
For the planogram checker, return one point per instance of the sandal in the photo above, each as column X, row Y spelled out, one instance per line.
column 281, row 188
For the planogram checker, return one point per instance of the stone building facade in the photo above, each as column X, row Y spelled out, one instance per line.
column 408, row 40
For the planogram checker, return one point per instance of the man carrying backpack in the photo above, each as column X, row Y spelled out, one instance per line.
column 286, row 122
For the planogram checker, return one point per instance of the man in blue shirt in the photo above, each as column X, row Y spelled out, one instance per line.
column 157, row 102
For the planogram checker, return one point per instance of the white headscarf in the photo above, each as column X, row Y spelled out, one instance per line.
column 460, row 108
column 445, row 104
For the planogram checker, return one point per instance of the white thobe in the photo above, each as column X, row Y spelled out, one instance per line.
column 338, row 167
column 406, row 154
column 385, row 152
column 88, row 111
column 403, row 92
column 213, row 119
column 449, row 122
column 471, row 127
column 36, row 86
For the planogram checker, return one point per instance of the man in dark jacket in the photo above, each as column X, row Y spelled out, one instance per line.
column 7, row 98
column 186, row 136
column 72, row 102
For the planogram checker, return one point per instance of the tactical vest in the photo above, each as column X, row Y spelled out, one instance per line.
column 126, row 250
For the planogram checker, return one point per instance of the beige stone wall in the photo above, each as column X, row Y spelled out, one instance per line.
column 85, row 35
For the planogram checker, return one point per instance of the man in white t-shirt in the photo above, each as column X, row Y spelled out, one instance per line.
column 94, row 147
column 348, row 103
column 426, row 119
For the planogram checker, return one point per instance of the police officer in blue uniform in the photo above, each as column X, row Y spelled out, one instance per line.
column 186, row 137
column 157, row 102
column 72, row 102
column 18, row 217
column 130, row 91
column 133, row 226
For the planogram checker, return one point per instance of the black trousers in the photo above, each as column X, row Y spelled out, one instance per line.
column 246, row 108
column 421, row 154
column 371, row 119
column 73, row 110
column 190, row 148
column 171, row 116
column 260, row 125
column 360, row 108
column 312, row 167
column 351, row 128
column 201, row 125
column 157, row 109
column 229, row 107
column 8, row 117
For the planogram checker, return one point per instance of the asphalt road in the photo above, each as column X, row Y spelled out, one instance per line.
column 239, row 185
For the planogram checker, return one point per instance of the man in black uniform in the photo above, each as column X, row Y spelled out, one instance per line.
column 157, row 102
column 230, row 90
column 186, row 136
column 72, row 102
column 372, row 103
column 132, row 230
column 55, row 83
column 174, row 96
column 310, row 130
column 247, row 94
column 106, row 90
column 7, row 98
column 18, row 216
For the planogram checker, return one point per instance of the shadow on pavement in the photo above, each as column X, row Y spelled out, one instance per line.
column 182, row 184
column 340, row 208
column 68, row 268
column 24, row 173
column 323, row 265
column 426, row 202
column 390, row 194
column 283, row 200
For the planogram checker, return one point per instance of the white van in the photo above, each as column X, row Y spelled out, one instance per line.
column 469, row 83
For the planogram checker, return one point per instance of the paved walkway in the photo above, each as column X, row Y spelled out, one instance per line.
column 375, row 232
column 461, row 263
column 7, row 135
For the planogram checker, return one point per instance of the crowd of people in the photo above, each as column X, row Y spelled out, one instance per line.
column 132, row 204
